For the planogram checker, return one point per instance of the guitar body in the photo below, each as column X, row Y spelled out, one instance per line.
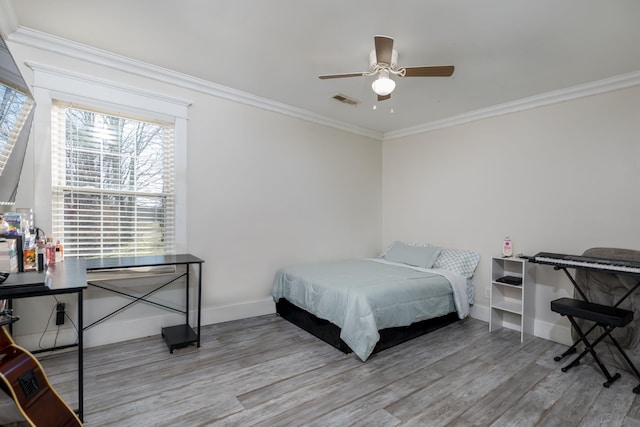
column 24, row 380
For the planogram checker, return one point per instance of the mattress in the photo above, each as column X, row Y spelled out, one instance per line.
column 364, row 296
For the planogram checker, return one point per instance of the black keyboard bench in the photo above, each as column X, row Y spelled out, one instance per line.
column 598, row 313
column 608, row 318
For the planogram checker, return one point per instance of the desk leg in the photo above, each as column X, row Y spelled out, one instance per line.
column 80, row 359
column 187, row 284
column 199, row 299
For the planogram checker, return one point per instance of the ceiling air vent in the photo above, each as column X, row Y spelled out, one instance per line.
column 345, row 99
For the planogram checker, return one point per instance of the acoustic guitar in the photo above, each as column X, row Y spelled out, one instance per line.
column 23, row 379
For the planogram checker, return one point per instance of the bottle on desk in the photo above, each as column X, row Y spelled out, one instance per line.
column 29, row 257
column 59, row 251
column 50, row 249
column 40, row 255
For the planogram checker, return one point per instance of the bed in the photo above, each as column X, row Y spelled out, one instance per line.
column 366, row 305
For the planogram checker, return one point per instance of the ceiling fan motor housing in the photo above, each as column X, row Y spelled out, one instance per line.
column 373, row 60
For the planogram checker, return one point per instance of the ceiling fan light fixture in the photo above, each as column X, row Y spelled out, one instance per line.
column 383, row 85
column 383, row 60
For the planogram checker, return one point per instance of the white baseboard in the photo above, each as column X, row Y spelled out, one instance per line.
column 115, row 330
column 553, row 332
column 34, row 342
column 479, row 312
column 549, row 331
column 226, row 313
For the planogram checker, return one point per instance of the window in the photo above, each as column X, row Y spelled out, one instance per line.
column 113, row 190
column 14, row 108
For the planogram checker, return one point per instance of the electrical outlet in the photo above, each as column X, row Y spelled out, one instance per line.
column 60, row 307
column 486, row 293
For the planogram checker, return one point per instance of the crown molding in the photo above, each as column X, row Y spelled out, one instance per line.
column 8, row 19
column 574, row 92
column 50, row 43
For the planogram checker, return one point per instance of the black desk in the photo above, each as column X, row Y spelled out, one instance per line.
column 63, row 278
column 70, row 276
column 175, row 336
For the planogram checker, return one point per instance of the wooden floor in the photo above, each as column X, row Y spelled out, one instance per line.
column 264, row 371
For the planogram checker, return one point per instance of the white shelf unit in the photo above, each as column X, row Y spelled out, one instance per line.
column 512, row 306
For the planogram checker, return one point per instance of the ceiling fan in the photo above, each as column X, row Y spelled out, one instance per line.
column 383, row 61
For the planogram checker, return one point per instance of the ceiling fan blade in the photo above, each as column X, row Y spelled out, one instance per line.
column 384, row 97
column 339, row 76
column 384, row 49
column 439, row 71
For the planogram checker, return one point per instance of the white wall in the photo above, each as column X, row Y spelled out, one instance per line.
column 561, row 178
column 266, row 190
column 263, row 190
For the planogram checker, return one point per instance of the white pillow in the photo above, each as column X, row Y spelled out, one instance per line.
column 462, row 262
column 411, row 254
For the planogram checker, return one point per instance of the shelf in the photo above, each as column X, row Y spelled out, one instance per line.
column 511, row 306
column 507, row 285
column 179, row 336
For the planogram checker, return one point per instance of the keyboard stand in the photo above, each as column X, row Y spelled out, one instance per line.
column 591, row 312
column 608, row 318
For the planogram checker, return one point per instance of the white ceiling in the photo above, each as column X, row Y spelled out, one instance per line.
column 503, row 50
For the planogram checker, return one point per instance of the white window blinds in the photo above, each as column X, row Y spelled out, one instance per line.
column 14, row 109
column 113, row 183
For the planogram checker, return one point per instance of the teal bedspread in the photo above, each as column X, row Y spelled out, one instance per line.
column 364, row 296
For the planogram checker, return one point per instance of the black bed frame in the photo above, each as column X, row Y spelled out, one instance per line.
column 330, row 333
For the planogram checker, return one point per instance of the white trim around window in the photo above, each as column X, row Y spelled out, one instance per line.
column 53, row 83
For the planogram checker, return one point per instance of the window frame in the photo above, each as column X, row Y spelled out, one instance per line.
column 66, row 86
column 108, row 240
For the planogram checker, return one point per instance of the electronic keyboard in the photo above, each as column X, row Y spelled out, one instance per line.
column 585, row 262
